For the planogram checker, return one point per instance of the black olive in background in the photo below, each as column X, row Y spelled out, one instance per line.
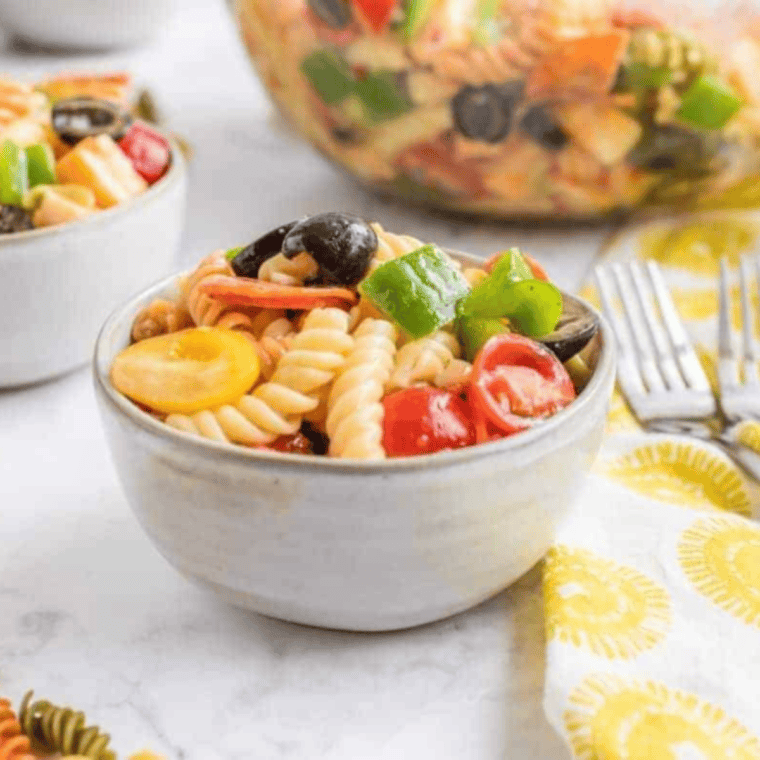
column 335, row 13
column 672, row 148
column 575, row 328
column 14, row 219
column 248, row 261
column 485, row 113
column 539, row 124
column 74, row 119
column 342, row 245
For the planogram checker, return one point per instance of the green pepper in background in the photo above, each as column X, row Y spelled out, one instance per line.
column 475, row 332
column 40, row 162
column 419, row 291
column 382, row 96
column 230, row 253
column 485, row 32
column 417, row 12
column 14, row 178
column 329, row 75
column 532, row 306
column 709, row 103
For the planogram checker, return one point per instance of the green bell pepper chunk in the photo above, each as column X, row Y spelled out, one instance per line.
column 329, row 75
column 532, row 306
column 419, row 291
column 475, row 332
column 14, row 178
column 230, row 253
column 40, row 162
column 381, row 96
column 709, row 103
column 417, row 12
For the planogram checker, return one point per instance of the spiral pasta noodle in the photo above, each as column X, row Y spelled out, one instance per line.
column 158, row 318
column 421, row 361
column 275, row 340
column 284, row 271
column 391, row 246
column 277, row 407
column 355, row 412
column 14, row 744
column 457, row 372
column 63, row 730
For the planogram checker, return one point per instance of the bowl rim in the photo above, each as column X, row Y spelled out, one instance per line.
column 604, row 371
column 176, row 170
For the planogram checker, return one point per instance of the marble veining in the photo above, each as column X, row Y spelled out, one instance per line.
column 91, row 615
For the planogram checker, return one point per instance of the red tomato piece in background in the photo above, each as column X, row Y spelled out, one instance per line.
column 148, row 150
column 423, row 420
column 377, row 13
column 516, row 381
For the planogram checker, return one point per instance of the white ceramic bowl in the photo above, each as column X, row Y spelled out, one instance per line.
column 346, row 544
column 86, row 24
column 59, row 283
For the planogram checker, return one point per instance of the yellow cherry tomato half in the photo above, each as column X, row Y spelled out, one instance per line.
column 187, row 371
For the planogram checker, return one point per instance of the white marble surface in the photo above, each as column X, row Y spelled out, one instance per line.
column 90, row 614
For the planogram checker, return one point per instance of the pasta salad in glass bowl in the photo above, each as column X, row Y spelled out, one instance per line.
column 553, row 110
column 346, row 427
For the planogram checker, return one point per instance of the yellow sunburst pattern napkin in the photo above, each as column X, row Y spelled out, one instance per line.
column 652, row 590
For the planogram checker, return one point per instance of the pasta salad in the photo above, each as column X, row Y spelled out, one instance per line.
column 332, row 336
column 70, row 147
column 545, row 109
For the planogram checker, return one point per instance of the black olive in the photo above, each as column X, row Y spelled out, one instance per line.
column 74, row 119
column 335, row 13
column 14, row 219
column 539, row 124
column 318, row 440
column 575, row 328
column 342, row 245
column 672, row 148
column 485, row 113
column 248, row 261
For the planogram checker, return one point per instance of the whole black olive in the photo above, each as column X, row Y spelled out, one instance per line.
column 335, row 13
column 248, row 261
column 14, row 219
column 485, row 113
column 74, row 119
column 342, row 245
column 575, row 328
column 539, row 124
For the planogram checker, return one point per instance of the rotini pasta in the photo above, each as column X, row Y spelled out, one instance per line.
column 354, row 418
column 276, row 407
column 62, row 730
column 158, row 318
column 456, row 372
column 285, row 271
column 421, row 361
column 14, row 744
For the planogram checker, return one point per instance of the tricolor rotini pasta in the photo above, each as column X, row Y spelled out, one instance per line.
column 336, row 336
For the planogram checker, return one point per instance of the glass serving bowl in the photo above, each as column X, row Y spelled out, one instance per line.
column 523, row 109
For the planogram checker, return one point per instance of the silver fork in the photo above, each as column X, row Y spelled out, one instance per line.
column 658, row 370
column 738, row 358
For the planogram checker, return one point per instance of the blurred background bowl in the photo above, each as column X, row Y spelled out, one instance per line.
column 86, row 24
column 59, row 283
column 344, row 543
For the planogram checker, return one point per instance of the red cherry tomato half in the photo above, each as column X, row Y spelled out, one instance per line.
column 422, row 420
column 516, row 381
column 292, row 444
column 377, row 13
column 148, row 151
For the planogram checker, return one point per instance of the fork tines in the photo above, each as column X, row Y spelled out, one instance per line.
column 658, row 369
column 738, row 351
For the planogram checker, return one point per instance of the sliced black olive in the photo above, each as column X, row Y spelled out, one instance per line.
column 485, row 113
column 248, row 261
column 335, row 13
column 342, row 245
column 672, row 148
column 14, row 219
column 575, row 328
column 74, row 119
column 540, row 125
column 318, row 440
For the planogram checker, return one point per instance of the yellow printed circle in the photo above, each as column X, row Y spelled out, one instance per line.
column 610, row 718
column 722, row 559
column 596, row 604
column 684, row 474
